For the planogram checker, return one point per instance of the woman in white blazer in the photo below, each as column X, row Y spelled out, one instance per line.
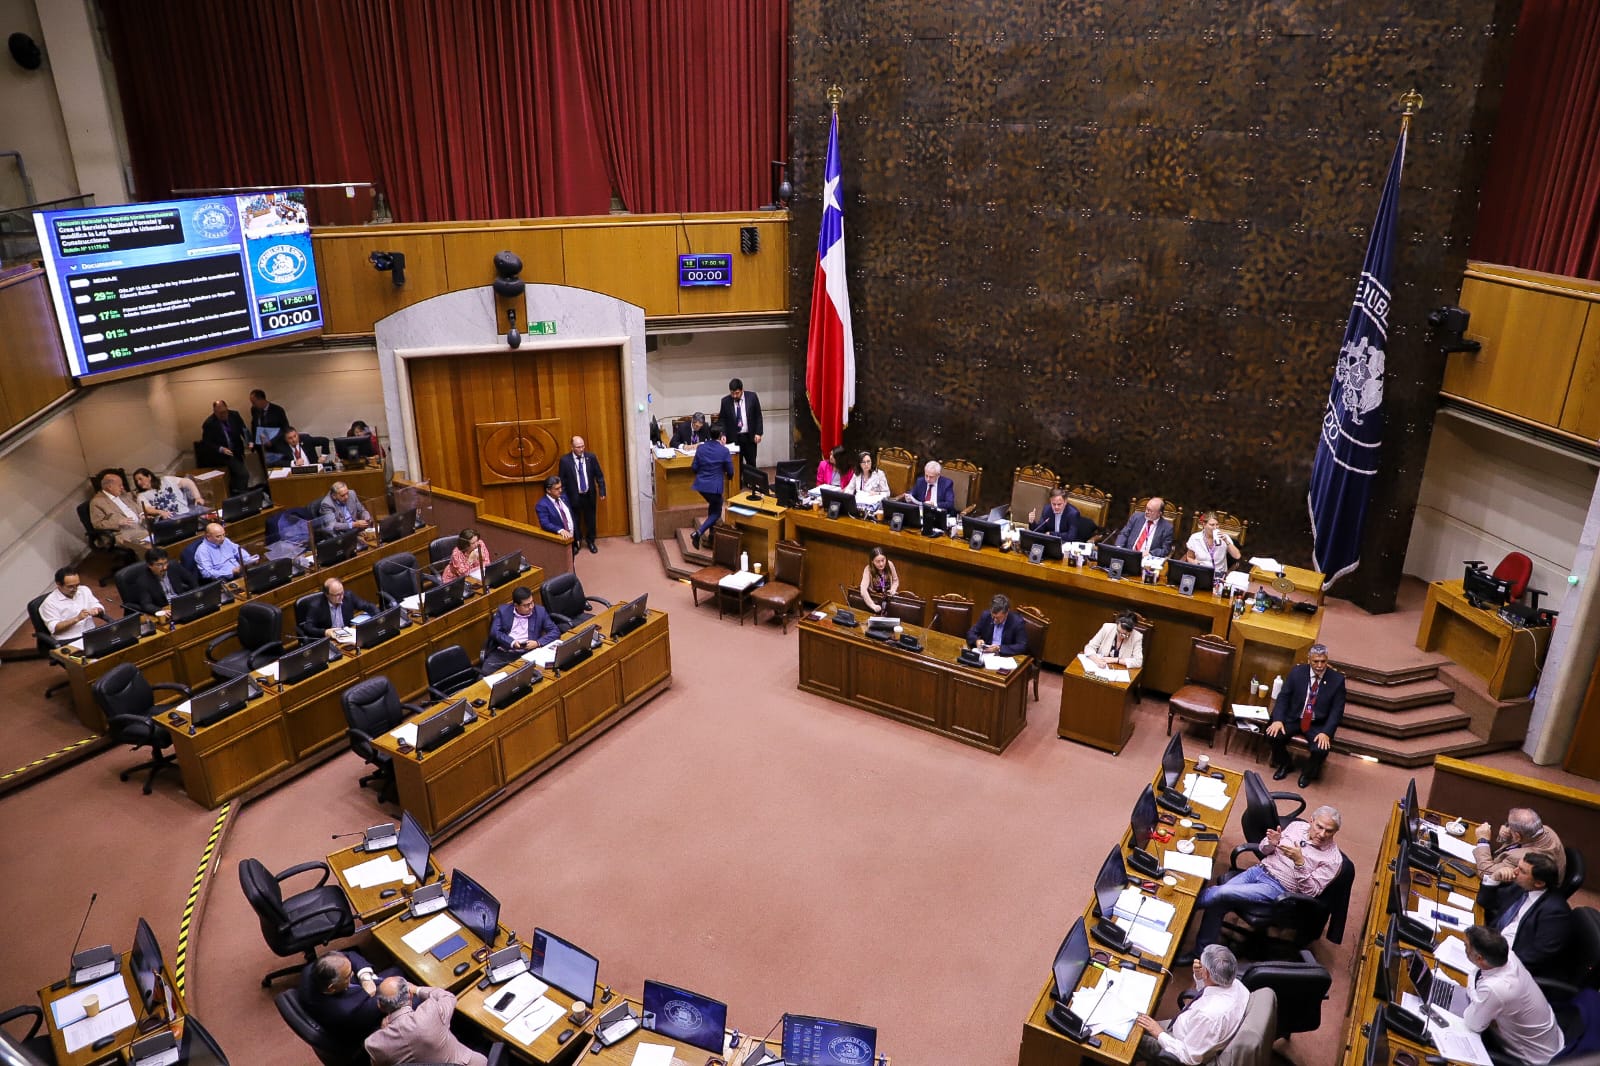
column 1118, row 643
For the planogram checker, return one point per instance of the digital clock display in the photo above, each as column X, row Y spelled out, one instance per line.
column 695, row 271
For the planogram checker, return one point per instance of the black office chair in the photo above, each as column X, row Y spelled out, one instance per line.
column 104, row 542
column 33, row 1044
column 259, row 633
column 186, row 560
column 372, row 708
column 329, row 1050
column 439, row 549
column 1261, row 811
column 449, row 671
column 566, row 601
column 129, row 704
column 297, row 924
column 45, row 642
column 397, row 577
column 199, row 1047
column 124, row 578
column 1572, row 880
column 1284, row 927
column 302, row 615
column 1300, row 984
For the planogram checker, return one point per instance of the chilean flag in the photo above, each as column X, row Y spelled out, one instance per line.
column 830, row 347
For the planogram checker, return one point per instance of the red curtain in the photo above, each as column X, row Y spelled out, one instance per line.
column 1540, row 207
column 459, row 110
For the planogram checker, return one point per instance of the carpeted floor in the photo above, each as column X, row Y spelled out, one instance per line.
column 735, row 836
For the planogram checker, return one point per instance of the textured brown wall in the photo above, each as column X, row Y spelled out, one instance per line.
column 1121, row 238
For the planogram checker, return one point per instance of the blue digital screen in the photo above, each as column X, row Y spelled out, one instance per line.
column 697, row 270
column 679, row 1014
column 824, row 1042
column 145, row 283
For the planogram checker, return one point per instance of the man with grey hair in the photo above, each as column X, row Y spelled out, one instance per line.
column 999, row 630
column 1206, row 1025
column 691, row 432
column 1302, row 859
column 1523, row 832
column 1310, row 705
column 341, row 509
column 934, row 490
column 416, row 1027
column 340, row 991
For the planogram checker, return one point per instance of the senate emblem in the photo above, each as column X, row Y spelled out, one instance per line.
column 851, row 1050
column 213, row 220
column 685, row 1016
column 281, row 264
column 1360, row 377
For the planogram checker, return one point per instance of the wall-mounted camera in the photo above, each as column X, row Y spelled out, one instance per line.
column 391, row 263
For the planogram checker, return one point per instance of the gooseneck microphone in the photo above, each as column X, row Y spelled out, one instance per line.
column 87, row 911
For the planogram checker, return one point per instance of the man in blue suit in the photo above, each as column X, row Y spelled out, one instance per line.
column 554, row 514
column 712, row 468
column 933, row 489
column 518, row 627
column 999, row 631
column 340, row 991
column 1311, row 703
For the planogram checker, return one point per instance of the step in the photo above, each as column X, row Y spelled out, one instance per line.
column 1399, row 696
column 1412, row 666
column 1407, row 722
column 1413, row 751
column 695, row 557
column 1492, row 719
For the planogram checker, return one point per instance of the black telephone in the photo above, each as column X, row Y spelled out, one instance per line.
column 1411, row 1026
column 1146, row 863
column 1063, row 1021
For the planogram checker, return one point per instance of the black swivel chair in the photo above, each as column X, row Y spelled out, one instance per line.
column 302, row 615
column 329, row 1051
column 297, row 924
column 33, row 1044
column 199, row 1047
column 129, row 703
column 449, row 671
column 259, row 633
column 124, row 578
column 372, row 708
column 439, row 549
column 45, row 642
column 1287, row 926
column 101, row 541
column 566, row 601
column 1300, row 984
column 1572, row 880
column 397, row 577
column 1261, row 810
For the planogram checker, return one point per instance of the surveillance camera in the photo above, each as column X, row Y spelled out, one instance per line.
column 392, row 263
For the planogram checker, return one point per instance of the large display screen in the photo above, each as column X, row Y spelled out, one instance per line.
column 148, row 283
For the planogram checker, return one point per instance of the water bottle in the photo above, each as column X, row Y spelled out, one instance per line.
column 744, row 562
column 1255, row 687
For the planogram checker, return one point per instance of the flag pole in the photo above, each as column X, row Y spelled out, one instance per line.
column 1410, row 104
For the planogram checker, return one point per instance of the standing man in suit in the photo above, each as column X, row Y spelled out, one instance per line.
column 585, row 483
column 1311, row 705
column 712, row 468
column 1060, row 518
column 554, row 514
column 1537, row 921
column 1147, row 531
column 998, row 630
column 741, row 419
column 224, row 432
column 517, row 627
column 934, row 490
column 290, row 450
column 264, row 415
column 335, row 609
column 155, row 584
column 1118, row 643
column 692, row 433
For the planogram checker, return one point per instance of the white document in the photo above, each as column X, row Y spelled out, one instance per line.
column 540, row 657
column 345, row 635
column 1152, row 942
column 1261, row 562
column 742, row 580
column 269, row 671
column 205, row 475
column 1455, row 847
column 69, row 1008
column 1452, row 952
column 1206, row 791
column 412, row 603
column 652, row 1055
column 433, row 931
column 733, row 448
column 523, row 990
column 1445, row 913
column 1237, row 580
column 384, row 870
column 495, row 678
column 1197, row 865
column 666, row 453
column 1002, row 663
column 1151, row 912
column 85, row 1031
column 406, row 732
column 276, row 472
column 1455, row 1041
column 1249, row 712
column 531, row 1024
column 1102, row 1010
column 1456, row 899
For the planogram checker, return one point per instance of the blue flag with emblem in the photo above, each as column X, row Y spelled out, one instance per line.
column 1351, row 441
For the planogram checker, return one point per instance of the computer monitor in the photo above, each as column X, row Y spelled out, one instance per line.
column 352, row 447
column 838, row 503
column 414, row 845
column 754, row 479
column 1109, row 883
column 802, row 472
column 503, row 569
column 1051, row 547
column 244, row 505
column 1131, row 559
column 787, row 490
column 563, row 965
column 442, row 599
column 1204, row 574
column 394, row 526
column 909, row 514
column 629, row 616
column 1409, row 816
column 172, row 530
column 196, row 603
column 809, row 1041
column 574, row 647
column 268, row 575
column 306, row 660
column 678, row 1014
column 1072, row 958
column 334, row 548
column 474, row 907
column 1483, row 589
column 113, row 636
column 441, row 726
column 219, row 701
column 516, row 684
column 145, row 962
column 1172, row 764
column 379, row 628
column 935, row 520
column 972, row 526
column 1377, row 1041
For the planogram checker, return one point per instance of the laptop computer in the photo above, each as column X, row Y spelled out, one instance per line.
column 1437, row 988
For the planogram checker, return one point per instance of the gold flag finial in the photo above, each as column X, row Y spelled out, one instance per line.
column 835, row 96
column 1410, row 104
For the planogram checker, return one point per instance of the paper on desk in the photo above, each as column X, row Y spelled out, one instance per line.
column 1197, row 865
column 1237, row 580
column 1249, row 712
column 1453, row 1039
column 205, row 475
column 541, row 1014
column 495, row 678
column 69, row 1008
column 652, row 1055
column 1207, row 791
column 85, row 1031
column 406, row 732
column 1443, row 911
column 666, row 453
column 345, row 635
column 277, row 472
column 742, row 580
column 1452, row 951
column 384, row 870
column 540, row 657
column 269, row 671
column 431, row 932
column 412, row 603
column 523, row 990
column 1152, row 942
column 1262, row 562
column 1001, row 663
column 1152, row 912
column 1455, row 847
column 1456, row 899
column 1102, row 1011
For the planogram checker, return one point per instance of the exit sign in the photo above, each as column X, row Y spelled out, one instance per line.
column 546, row 328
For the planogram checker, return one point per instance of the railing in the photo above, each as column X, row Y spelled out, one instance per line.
column 19, row 241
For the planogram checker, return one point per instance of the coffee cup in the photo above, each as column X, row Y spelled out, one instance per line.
column 1202, row 764
column 91, row 1005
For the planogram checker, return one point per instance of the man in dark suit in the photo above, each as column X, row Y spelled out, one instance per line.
column 934, row 488
column 1060, row 519
column 517, row 627
column 1537, row 921
column 1147, row 531
column 741, row 418
column 264, row 415
column 999, row 630
column 154, row 584
column 334, row 609
column 554, row 514
column 1311, row 704
column 340, row 991
column 290, row 450
column 584, row 484
column 690, row 432
column 224, row 433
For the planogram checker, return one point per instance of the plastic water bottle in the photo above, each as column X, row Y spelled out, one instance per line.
column 744, row 562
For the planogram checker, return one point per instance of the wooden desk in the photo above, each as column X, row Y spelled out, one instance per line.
column 1306, row 582
column 1507, row 658
column 300, row 490
column 498, row 754
column 86, row 1055
column 1095, row 712
column 926, row 689
column 422, row 967
column 622, row 1052
column 759, row 533
column 228, row 757
column 368, row 903
column 1269, row 644
column 675, row 482
column 473, row 1003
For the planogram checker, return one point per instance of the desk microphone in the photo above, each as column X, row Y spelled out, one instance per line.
column 92, row 964
column 85, row 924
column 357, row 833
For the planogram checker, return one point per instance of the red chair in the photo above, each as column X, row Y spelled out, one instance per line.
column 1516, row 568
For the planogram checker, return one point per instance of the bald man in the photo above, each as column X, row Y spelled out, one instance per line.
column 416, row 1027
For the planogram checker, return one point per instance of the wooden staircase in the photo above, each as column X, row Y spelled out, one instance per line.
column 1412, row 711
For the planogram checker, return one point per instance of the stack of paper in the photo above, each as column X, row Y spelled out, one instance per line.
column 1249, row 712
column 1152, row 942
column 495, row 678
column 277, row 472
column 652, row 1055
column 384, row 870
column 431, row 932
column 540, row 657
column 1197, row 865
column 69, row 1008
column 1111, row 1006
column 742, row 580
column 1149, row 911
column 1206, row 791
column 412, row 603
column 1455, row 847
column 523, row 990
column 1262, row 562
column 85, row 1031
column 665, row 453
column 1003, row 663
column 269, row 671
column 406, row 733
column 1452, row 952
column 528, row 1026
column 1450, row 1034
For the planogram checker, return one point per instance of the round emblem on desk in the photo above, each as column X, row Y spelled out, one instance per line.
column 851, row 1050
column 684, row 1015
column 281, row 264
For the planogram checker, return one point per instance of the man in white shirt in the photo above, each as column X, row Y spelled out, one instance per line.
column 1505, row 1002
column 68, row 609
column 1207, row 1024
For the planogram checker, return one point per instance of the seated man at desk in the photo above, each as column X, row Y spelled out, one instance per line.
column 416, row 1027
column 1060, row 519
column 1205, row 1026
column 554, row 514
column 336, row 609
column 117, row 511
column 1302, row 859
column 1497, row 860
column 341, row 509
column 998, row 631
column 691, row 432
column 340, row 991
column 70, row 607
column 1537, row 920
column 217, row 558
column 1147, row 531
column 1505, row 1004
column 933, row 490
column 1311, row 705
column 155, row 584
column 1118, row 643
column 517, row 628
column 290, row 450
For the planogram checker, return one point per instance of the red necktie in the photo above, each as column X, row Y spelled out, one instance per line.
column 1144, row 535
column 1311, row 703
column 932, row 488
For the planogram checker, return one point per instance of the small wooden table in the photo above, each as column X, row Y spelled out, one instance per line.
column 142, row 1026
column 760, row 532
column 368, row 903
column 1507, row 657
column 1095, row 711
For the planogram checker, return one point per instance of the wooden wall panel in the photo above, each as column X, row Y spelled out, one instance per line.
column 355, row 295
column 756, row 286
column 637, row 263
column 469, row 256
column 1581, row 413
column 34, row 374
column 1530, row 343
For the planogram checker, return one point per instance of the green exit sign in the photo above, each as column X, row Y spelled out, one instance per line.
column 541, row 329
